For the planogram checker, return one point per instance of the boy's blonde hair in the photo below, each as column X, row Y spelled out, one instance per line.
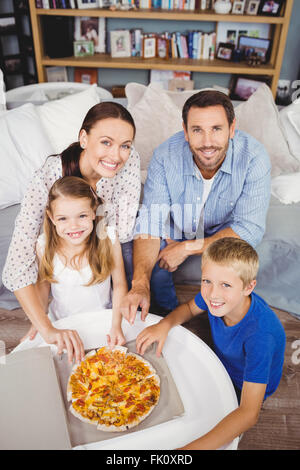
column 98, row 251
column 234, row 253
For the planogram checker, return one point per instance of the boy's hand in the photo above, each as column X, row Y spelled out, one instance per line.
column 115, row 337
column 158, row 332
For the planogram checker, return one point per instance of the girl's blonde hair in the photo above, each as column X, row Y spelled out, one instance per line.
column 235, row 253
column 97, row 251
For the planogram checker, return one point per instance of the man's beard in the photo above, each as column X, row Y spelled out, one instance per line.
column 215, row 163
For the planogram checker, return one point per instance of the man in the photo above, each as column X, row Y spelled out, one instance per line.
column 206, row 182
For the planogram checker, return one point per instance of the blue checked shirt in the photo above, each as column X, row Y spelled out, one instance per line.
column 239, row 196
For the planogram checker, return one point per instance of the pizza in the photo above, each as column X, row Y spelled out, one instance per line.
column 113, row 389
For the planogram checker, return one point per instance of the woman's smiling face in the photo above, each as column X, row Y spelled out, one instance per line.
column 106, row 148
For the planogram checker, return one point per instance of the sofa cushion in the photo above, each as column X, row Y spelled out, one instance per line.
column 290, row 122
column 287, row 188
column 260, row 118
column 24, row 148
column 157, row 114
column 62, row 118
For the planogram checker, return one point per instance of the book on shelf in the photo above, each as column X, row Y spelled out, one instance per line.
column 89, row 76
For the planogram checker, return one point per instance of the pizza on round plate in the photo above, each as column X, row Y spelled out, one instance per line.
column 113, row 389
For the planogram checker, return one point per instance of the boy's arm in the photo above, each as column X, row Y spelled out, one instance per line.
column 159, row 332
column 236, row 422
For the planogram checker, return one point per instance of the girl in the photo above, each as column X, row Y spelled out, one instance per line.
column 103, row 156
column 78, row 257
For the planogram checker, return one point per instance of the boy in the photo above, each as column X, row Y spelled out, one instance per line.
column 248, row 337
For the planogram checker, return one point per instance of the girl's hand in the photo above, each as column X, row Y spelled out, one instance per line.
column 65, row 339
column 31, row 334
column 115, row 337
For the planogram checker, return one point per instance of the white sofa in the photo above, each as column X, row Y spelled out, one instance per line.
column 32, row 132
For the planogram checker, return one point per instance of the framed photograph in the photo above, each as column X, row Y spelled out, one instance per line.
column 243, row 87
column 90, row 29
column 225, row 50
column 252, row 7
column 149, row 47
column 88, row 3
column 259, row 46
column 85, row 75
column 56, row 74
column 238, row 7
column 230, row 32
column 120, row 43
column 83, row 48
column 162, row 48
column 270, row 7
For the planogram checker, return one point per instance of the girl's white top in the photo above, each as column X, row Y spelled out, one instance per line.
column 121, row 201
column 70, row 294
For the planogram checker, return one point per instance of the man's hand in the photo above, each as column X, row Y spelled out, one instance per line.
column 172, row 255
column 138, row 296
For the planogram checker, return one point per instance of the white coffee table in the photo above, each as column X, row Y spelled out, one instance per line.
column 205, row 387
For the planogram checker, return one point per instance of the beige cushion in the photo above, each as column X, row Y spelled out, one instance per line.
column 260, row 118
column 290, row 121
column 157, row 115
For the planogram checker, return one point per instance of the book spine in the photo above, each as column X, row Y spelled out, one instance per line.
column 39, row 3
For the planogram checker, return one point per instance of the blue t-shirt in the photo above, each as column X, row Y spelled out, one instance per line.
column 253, row 349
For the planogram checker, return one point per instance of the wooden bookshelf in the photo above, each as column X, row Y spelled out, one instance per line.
column 279, row 24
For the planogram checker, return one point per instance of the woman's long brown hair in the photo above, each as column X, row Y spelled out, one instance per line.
column 98, row 250
column 70, row 157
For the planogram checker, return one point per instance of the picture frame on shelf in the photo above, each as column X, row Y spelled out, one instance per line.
column 238, row 7
column 120, row 43
column 270, row 7
column 225, row 51
column 162, row 48
column 259, row 46
column 149, row 47
column 56, row 74
column 84, row 4
column 253, row 7
column 90, row 29
column 83, row 48
column 89, row 76
column 243, row 86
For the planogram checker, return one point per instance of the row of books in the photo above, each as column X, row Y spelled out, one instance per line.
column 126, row 4
column 191, row 45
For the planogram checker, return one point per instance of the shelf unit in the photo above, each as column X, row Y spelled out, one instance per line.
column 279, row 24
column 25, row 45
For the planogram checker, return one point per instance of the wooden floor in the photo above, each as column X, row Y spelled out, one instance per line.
column 278, row 427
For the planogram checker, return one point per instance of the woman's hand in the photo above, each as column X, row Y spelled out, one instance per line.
column 115, row 337
column 65, row 339
column 31, row 334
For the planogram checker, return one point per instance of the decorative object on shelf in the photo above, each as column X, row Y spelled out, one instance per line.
column 88, row 3
column 222, row 7
column 120, row 43
column 238, row 7
column 90, row 29
column 258, row 46
column 230, row 32
column 237, row 55
column 83, row 48
column 56, row 74
column 243, row 87
column 225, row 51
column 149, row 46
column 88, row 76
column 252, row 7
column 162, row 47
column 270, row 7
column 253, row 60
column 179, row 84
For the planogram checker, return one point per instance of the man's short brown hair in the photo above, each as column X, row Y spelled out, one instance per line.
column 235, row 253
column 205, row 99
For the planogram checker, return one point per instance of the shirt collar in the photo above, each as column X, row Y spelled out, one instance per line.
column 188, row 161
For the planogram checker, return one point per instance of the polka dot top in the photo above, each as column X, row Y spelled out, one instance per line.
column 121, row 199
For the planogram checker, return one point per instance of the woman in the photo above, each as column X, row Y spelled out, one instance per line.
column 105, row 158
